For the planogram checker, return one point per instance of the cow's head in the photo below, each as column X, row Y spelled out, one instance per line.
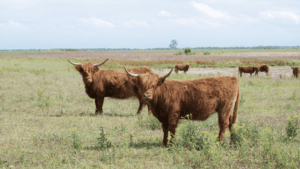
column 87, row 69
column 148, row 82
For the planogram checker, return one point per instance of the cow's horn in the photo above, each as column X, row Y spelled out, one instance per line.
column 99, row 64
column 74, row 63
column 135, row 75
column 168, row 73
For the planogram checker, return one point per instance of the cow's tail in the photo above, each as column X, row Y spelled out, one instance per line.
column 236, row 106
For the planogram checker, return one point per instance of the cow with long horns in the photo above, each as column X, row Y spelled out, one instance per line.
column 116, row 83
column 171, row 100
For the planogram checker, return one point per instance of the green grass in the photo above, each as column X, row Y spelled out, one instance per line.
column 47, row 121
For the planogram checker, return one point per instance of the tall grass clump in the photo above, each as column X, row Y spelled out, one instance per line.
column 190, row 136
column 292, row 127
column 150, row 122
column 206, row 53
column 238, row 138
column 102, row 142
column 42, row 101
column 76, row 140
column 178, row 53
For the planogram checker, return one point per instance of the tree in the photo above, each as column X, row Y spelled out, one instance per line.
column 173, row 44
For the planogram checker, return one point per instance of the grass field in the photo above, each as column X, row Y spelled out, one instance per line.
column 47, row 121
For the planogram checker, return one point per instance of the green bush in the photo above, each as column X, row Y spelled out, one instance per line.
column 238, row 137
column 77, row 143
column 187, row 51
column 292, row 127
column 206, row 53
column 103, row 143
column 178, row 53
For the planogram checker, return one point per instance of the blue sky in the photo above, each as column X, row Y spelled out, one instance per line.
column 46, row 24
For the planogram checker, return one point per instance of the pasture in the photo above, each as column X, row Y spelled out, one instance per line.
column 48, row 121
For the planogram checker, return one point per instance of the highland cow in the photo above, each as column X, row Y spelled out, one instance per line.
column 263, row 68
column 184, row 68
column 100, row 83
column 170, row 100
column 248, row 69
column 296, row 71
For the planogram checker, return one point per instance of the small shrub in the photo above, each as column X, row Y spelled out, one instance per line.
column 206, row 53
column 103, row 143
column 187, row 51
column 292, row 127
column 238, row 137
column 77, row 143
column 178, row 53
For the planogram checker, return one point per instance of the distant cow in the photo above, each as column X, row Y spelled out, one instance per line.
column 248, row 69
column 263, row 68
column 184, row 68
column 100, row 83
column 296, row 71
column 170, row 100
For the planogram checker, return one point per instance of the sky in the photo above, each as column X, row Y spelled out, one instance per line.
column 48, row 24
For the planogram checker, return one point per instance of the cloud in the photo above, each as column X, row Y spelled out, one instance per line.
column 186, row 21
column 165, row 14
column 209, row 11
column 283, row 16
column 97, row 22
column 12, row 24
column 134, row 24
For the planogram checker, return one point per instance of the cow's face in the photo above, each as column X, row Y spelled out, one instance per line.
column 87, row 70
column 148, row 82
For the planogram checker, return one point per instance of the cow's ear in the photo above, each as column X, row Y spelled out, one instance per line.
column 78, row 68
column 95, row 69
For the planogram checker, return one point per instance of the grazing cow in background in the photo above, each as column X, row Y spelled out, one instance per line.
column 184, row 68
column 100, row 83
column 263, row 68
column 296, row 71
column 170, row 100
column 248, row 69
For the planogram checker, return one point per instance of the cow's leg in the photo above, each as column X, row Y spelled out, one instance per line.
column 99, row 103
column 173, row 122
column 165, row 127
column 142, row 103
column 224, row 117
column 240, row 74
column 251, row 74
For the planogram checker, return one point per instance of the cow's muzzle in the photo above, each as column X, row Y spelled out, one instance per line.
column 148, row 96
column 90, row 80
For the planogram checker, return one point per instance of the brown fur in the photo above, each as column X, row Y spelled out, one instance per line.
column 110, row 83
column 184, row 68
column 263, row 68
column 296, row 71
column 170, row 100
column 248, row 69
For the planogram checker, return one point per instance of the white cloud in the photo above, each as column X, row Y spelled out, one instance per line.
column 134, row 24
column 165, row 14
column 12, row 24
column 209, row 11
column 283, row 16
column 97, row 22
column 186, row 21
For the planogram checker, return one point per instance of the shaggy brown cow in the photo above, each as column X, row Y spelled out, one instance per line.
column 296, row 71
column 263, row 68
column 170, row 100
column 100, row 83
column 184, row 68
column 248, row 69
